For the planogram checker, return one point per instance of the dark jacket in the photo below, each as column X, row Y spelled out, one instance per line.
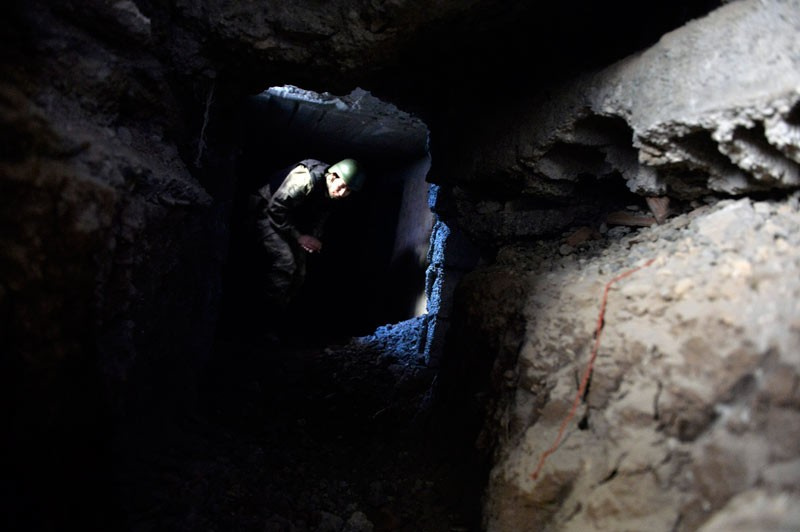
column 301, row 204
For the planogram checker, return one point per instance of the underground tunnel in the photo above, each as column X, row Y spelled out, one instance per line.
column 355, row 369
column 372, row 270
column 567, row 298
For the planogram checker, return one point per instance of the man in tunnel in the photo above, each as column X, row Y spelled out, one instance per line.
column 289, row 224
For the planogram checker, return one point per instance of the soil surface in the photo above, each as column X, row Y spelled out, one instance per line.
column 297, row 437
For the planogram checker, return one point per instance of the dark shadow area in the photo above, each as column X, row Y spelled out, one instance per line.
column 306, row 438
column 503, row 49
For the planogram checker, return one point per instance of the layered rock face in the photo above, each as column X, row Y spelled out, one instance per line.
column 690, row 415
column 118, row 178
column 710, row 109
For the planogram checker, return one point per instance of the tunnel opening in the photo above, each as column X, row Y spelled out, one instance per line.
column 332, row 427
column 372, row 268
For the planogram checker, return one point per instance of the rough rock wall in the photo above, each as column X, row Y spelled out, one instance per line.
column 108, row 277
column 98, row 201
column 691, row 416
column 692, row 413
column 114, row 216
column 712, row 108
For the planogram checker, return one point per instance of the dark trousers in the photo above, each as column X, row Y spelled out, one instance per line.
column 281, row 269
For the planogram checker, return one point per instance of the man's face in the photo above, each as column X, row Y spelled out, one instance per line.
column 337, row 188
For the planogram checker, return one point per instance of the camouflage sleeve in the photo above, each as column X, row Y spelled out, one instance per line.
column 292, row 192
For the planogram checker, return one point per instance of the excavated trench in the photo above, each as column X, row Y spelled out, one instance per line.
column 346, row 420
column 329, row 424
column 128, row 220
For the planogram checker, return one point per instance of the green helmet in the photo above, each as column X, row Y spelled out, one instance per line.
column 348, row 170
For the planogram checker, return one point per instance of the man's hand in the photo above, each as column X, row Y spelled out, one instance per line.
column 309, row 243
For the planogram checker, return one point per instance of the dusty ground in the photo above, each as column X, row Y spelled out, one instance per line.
column 305, row 438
